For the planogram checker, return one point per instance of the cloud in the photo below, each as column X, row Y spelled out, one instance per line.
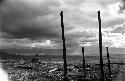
column 114, row 38
column 22, row 19
column 27, row 43
column 119, row 30
column 1, row 1
column 79, row 32
column 47, row 44
column 40, row 19
column 74, row 2
column 36, row 23
column 122, row 6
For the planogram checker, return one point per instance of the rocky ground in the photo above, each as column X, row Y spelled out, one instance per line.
column 53, row 71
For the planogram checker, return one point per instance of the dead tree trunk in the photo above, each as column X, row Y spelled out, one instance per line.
column 83, row 65
column 64, row 46
column 109, row 68
column 100, row 47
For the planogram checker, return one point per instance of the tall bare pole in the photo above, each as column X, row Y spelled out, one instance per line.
column 64, row 46
column 83, row 65
column 109, row 68
column 100, row 47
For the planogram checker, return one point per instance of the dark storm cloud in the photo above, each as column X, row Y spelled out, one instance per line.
column 32, row 30
column 1, row 1
column 22, row 19
column 122, row 6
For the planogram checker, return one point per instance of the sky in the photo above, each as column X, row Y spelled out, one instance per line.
column 35, row 24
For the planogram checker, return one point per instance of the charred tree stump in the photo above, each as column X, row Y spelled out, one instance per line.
column 100, row 47
column 109, row 68
column 64, row 47
column 83, row 65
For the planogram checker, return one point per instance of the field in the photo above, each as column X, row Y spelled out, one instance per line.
column 50, row 68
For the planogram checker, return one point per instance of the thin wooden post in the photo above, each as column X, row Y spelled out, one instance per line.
column 109, row 68
column 83, row 65
column 64, row 46
column 100, row 47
